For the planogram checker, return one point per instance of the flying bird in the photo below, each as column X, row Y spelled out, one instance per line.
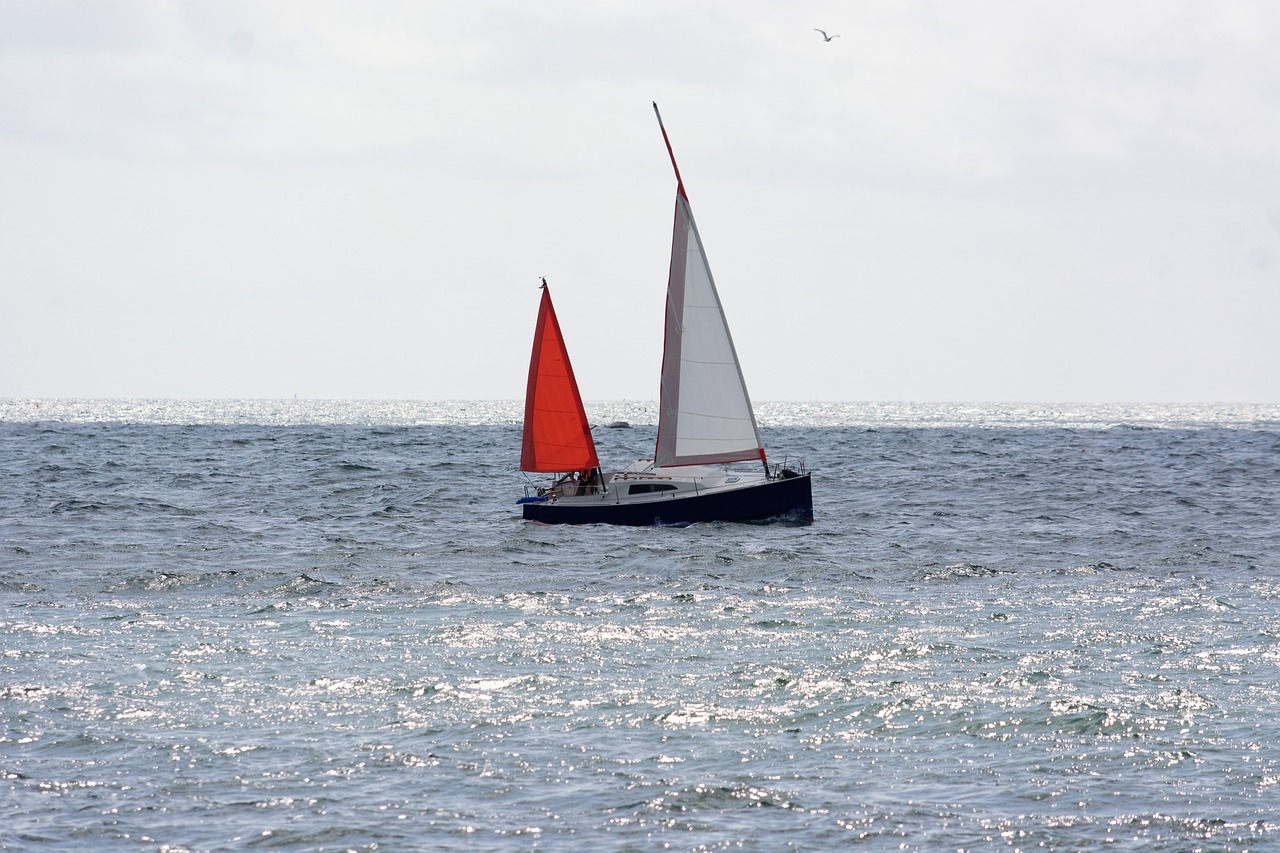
column 826, row 37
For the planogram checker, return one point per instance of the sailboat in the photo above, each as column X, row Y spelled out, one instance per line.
column 705, row 419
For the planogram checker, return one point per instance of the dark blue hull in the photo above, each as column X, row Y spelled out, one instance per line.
column 783, row 499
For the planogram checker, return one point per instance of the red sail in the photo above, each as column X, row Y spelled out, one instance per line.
column 557, row 436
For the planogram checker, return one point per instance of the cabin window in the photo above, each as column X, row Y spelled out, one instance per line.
column 650, row 488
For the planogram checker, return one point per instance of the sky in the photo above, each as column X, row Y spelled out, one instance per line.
column 993, row 200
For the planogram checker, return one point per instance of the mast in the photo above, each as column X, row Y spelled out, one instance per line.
column 670, row 152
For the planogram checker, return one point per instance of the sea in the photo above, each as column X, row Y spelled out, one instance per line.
column 324, row 626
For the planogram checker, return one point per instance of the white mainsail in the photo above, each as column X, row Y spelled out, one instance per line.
column 705, row 413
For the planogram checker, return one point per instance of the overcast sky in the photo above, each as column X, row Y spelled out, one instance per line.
column 968, row 201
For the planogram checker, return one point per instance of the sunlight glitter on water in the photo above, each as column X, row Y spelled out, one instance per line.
column 769, row 413
column 330, row 634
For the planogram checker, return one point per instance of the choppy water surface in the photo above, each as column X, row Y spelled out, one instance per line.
column 310, row 626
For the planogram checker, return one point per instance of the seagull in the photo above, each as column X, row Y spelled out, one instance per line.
column 826, row 37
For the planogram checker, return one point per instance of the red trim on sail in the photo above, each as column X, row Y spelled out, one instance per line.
column 557, row 436
column 669, row 386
